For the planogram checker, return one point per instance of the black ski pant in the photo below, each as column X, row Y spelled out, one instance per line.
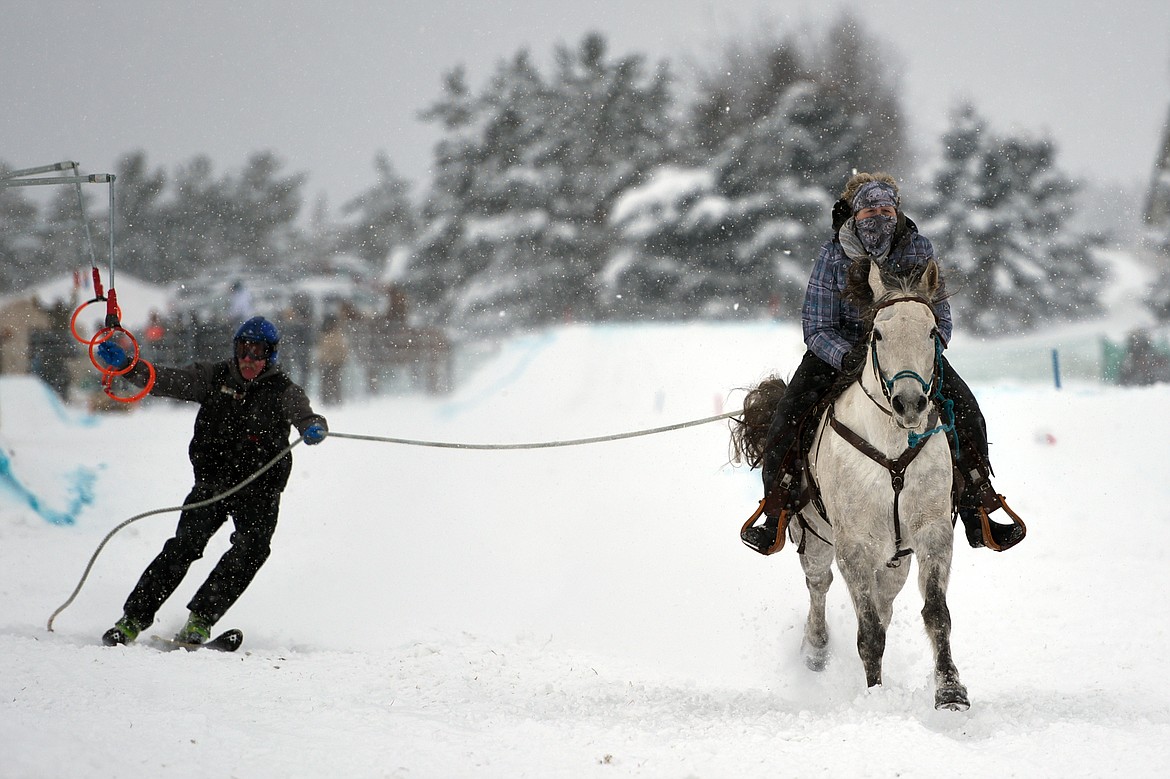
column 254, row 514
column 811, row 383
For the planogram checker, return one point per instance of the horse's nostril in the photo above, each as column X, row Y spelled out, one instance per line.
column 899, row 406
column 921, row 403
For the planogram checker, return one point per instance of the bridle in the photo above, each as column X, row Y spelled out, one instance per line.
column 887, row 385
column 933, row 388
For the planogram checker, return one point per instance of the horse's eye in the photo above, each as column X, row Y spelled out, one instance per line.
column 877, row 335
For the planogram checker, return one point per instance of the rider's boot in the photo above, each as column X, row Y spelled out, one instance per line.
column 979, row 500
column 777, row 508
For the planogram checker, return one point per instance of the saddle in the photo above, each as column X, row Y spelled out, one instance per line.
column 780, row 504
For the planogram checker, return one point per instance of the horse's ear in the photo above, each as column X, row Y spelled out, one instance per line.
column 875, row 281
column 929, row 281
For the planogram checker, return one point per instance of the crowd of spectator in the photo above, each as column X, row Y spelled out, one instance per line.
column 347, row 353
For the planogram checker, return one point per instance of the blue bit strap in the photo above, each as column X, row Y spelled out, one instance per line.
column 947, row 405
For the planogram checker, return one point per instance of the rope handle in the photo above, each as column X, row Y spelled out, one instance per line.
column 111, row 327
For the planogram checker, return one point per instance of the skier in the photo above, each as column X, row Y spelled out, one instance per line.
column 868, row 226
column 246, row 406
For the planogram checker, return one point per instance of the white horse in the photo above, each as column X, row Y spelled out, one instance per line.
column 881, row 484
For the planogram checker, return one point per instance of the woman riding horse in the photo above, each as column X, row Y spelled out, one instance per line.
column 869, row 227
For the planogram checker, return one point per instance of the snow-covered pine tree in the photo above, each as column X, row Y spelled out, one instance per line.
column 380, row 218
column 139, row 225
column 997, row 215
column 61, row 241
column 526, row 174
column 234, row 222
column 19, row 241
column 264, row 205
column 737, row 237
column 772, row 135
column 1157, row 228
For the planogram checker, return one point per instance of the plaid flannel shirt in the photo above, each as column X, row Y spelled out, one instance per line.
column 833, row 326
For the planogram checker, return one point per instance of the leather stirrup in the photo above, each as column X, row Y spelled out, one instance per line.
column 781, row 531
column 985, row 523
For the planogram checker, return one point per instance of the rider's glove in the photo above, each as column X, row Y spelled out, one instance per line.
column 854, row 358
column 842, row 210
column 315, row 434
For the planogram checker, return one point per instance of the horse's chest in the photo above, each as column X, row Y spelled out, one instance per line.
column 855, row 486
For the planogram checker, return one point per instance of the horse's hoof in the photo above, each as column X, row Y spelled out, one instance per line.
column 817, row 662
column 952, row 698
column 815, row 658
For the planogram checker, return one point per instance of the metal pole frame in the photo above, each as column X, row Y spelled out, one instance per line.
column 15, row 178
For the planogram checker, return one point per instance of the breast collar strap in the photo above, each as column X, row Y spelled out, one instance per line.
column 896, row 468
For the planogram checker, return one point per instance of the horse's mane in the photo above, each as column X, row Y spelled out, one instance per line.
column 858, row 292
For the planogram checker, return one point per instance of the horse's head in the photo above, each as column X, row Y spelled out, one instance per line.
column 904, row 343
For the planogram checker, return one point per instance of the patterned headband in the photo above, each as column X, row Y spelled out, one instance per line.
column 875, row 194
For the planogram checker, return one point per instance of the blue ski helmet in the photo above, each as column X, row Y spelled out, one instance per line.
column 259, row 330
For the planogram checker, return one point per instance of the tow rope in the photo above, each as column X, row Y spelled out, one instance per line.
column 382, row 439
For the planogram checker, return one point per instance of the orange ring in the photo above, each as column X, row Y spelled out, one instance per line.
column 108, row 378
column 73, row 322
column 108, row 333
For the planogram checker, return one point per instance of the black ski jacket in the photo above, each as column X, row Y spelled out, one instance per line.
column 241, row 425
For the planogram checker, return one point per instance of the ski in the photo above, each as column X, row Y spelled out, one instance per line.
column 227, row 641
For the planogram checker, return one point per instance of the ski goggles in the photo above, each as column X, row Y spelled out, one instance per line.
column 252, row 350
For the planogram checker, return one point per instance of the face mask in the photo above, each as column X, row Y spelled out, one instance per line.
column 875, row 233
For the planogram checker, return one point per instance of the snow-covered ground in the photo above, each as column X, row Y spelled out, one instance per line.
column 585, row 611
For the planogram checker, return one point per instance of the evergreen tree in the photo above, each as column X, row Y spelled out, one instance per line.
column 237, row 223
column 997, row 218
column 1157, row 227
column 263, row 207
column 857, row 69
column 139, row 226
column 20, row 240
column 739, row 241
column 527, row 173
column 63, row 245
column 195, row 240
column 780, row 129
column 381, row 218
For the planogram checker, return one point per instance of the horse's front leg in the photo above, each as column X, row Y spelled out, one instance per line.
column 818, row 575
column 871, row 630
column 936, row 616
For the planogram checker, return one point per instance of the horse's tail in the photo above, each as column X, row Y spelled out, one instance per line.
column 749, row 435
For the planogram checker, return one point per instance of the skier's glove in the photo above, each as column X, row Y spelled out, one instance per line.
column 855, row 358
column 315, row 434
column 113, row 355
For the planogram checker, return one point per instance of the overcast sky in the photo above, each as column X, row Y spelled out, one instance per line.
column 326, row 85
